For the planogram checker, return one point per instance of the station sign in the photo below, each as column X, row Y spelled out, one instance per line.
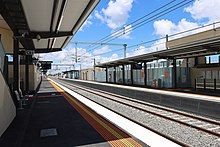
column 137, row 66
column 45, row 65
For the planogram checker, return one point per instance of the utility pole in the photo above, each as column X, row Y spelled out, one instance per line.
column 167, row 39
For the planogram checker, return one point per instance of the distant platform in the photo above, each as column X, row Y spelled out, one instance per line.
column 197, row 103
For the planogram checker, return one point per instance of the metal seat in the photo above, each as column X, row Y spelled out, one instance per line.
column 20, row 105
column 23, row 97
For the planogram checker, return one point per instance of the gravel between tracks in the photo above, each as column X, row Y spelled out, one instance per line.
column 190, row 136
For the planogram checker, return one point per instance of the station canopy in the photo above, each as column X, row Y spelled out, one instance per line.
column 195, row 45
column 45, row 25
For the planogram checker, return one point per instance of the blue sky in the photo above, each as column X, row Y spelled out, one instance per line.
column 110, row 15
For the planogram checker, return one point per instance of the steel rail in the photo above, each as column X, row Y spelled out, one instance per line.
column 160, row 115
column 153, row 130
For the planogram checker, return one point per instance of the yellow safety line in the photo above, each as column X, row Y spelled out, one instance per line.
column 126, row 141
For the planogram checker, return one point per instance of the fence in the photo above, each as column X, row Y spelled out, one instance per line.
column 207, row 84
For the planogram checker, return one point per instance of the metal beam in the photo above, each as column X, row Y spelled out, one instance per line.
column 132, row 80
column 27, row 74
column 22, row 51
column 145, row 73
column 114, row 74
column 55, row 3
column 45, row 50
column 16, row 66
column 59, row 20
column 45, row 35
column 162, row 57
column 106, row 72
column 123, row 74
column 174, row 74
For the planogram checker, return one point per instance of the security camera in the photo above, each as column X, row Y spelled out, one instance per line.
column 38, row 37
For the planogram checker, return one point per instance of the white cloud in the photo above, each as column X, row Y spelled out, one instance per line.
column 201, row 10
column 156, row 46
column 116, row 13
column 101, row 50
column 163, row 27
column 205, row 9
column 113, row 57
column 67, row 56
column 166, row 27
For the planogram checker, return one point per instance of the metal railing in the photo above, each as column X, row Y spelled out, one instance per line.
column 207, row 84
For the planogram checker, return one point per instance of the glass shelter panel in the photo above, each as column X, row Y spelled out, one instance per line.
column 182, row 73
column 119, row 74
column 138, row 74
column 127, row 74
column 111, row 74
column 159, row 74
column 100, row 76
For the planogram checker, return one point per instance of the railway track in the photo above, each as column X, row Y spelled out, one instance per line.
column 206, row 125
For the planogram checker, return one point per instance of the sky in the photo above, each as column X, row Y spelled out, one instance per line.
column 112, row 15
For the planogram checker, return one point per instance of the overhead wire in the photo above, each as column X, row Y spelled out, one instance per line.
column 121, row 28
column 152, row 18
column 154, row 40
column 143, row 22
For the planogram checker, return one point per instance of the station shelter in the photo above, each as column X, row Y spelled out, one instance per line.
column 190, row 62
column 28, row 28
column 71, row 74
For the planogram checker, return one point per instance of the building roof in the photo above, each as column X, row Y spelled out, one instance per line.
column 70, row 71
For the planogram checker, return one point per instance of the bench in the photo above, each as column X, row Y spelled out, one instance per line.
column 22, row 100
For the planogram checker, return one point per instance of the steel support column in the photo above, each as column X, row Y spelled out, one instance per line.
column 174, row 74
column 6, row 69
column 27, row 74
column 187, row 71
column 145, row 73
column 114, row 74
column 16, row 62
column 132, row 81
column 106, row 76
column 123, row 74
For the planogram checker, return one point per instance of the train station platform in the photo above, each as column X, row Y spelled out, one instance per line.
column 197, row 103
column 55, row 119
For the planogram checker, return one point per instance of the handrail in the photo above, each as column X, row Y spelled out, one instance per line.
column 203, row 83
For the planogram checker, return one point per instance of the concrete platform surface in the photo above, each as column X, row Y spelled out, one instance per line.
column 52, row 121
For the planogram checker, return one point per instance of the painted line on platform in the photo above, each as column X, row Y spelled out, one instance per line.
column 110, row 133
column 141, row 133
